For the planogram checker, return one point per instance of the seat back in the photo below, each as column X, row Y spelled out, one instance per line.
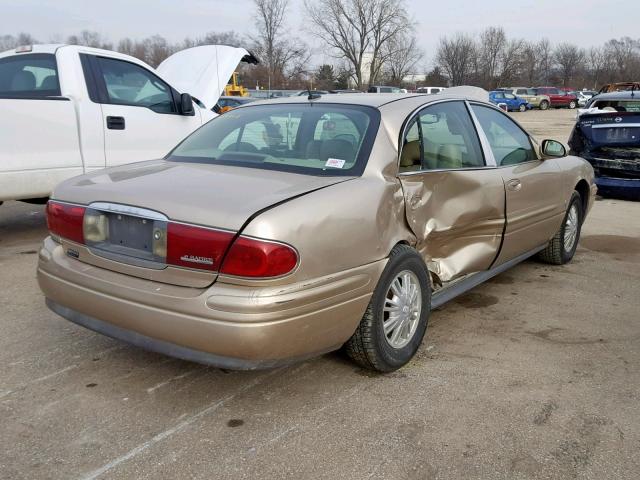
column 410, row 157
column 23, row 81
column 450, row 156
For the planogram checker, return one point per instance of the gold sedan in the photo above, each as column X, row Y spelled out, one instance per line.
column 282, row 230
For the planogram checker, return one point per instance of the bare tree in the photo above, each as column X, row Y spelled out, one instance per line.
column 545, row 59
column 529, row 63
column 389, row 23
column 455, row 56
column 9, row 41
column 283, row 57
column 270, row 21
column 492, row 44
column 90, row 39
column 624, row 56
column 402, row 55
column 358, row 31
column 569, row 59
column 345, row 26
column 510, row 61
column 597, row 64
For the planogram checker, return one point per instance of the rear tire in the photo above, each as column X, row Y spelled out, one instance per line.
column 572, row 104
column 544, row 105
column 393, row 325
column 562, row 247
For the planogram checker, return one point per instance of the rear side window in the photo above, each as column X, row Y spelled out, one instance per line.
column 29, row 76
column 509, row 144
column 441, row 137
column 130, row 84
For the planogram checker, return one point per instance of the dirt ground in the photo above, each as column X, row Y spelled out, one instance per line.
column 535, row 374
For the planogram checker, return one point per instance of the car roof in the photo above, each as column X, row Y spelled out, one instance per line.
column 624, row 95
column 377, row 100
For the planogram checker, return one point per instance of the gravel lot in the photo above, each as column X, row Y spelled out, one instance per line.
column 532, row 375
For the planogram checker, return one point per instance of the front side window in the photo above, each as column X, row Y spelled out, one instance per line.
column 509, row 143
column 446, row 137
column 130, row 84
column 310, row 138
column 33, row 75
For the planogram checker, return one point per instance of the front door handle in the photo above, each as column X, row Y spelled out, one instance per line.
column 514, row 184
column 115, row 123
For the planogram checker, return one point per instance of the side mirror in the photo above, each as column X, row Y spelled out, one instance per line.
column 553, row 148
column 186, row 104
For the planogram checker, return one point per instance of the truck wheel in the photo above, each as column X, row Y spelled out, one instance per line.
column 562, row 246
column 395, row 321
column 522, row 107
column 544, row 105
column 572, row 104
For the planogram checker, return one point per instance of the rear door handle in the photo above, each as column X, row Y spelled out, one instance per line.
column 514, row 184
column 115, row 123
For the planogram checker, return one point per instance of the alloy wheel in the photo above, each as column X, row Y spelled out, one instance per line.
column 402, row 308
column 571, row 228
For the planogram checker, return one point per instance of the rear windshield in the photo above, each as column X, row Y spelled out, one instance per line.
column 28, row 76
column 618, row 105
column 309, row 138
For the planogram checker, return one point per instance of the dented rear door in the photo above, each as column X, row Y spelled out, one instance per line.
column 455, row 203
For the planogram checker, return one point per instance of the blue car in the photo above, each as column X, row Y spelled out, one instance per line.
column 512, row 102
column 607, row 135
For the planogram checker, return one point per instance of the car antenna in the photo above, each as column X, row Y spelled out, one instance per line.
column 312, row 95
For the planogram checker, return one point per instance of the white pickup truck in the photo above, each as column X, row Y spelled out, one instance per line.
column 66, row 110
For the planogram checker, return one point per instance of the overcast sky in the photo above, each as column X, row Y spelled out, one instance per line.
column 584, row 22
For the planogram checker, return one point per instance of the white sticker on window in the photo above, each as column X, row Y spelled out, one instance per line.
column 335, row 163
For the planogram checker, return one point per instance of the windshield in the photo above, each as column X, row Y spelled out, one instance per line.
column 313, row 139
column 618, row 105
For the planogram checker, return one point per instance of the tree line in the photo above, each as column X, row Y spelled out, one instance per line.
column 492, row 59
column 374, row 42
column 371, row 41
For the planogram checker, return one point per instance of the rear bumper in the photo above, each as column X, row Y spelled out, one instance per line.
column 628, row 188
column 224, row 325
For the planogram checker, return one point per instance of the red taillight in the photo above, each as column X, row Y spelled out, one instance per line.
column 196, row 247
column 65, row 220
column 250, row 257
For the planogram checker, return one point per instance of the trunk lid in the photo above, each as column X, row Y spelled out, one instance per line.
column 609, row 129
column 204, row 71
column 610, row 141
column 139, row 199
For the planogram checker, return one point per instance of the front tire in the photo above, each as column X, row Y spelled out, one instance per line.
column 544, row 105
column 395, row 321
column 522, row 107
column 572, row 104
column 562, row 247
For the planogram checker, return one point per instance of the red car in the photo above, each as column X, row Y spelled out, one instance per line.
column 558, row 97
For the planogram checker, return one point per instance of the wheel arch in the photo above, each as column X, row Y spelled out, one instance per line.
column 433, row 276
column 582, row 187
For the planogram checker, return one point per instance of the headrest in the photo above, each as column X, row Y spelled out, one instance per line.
column 23, row 81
